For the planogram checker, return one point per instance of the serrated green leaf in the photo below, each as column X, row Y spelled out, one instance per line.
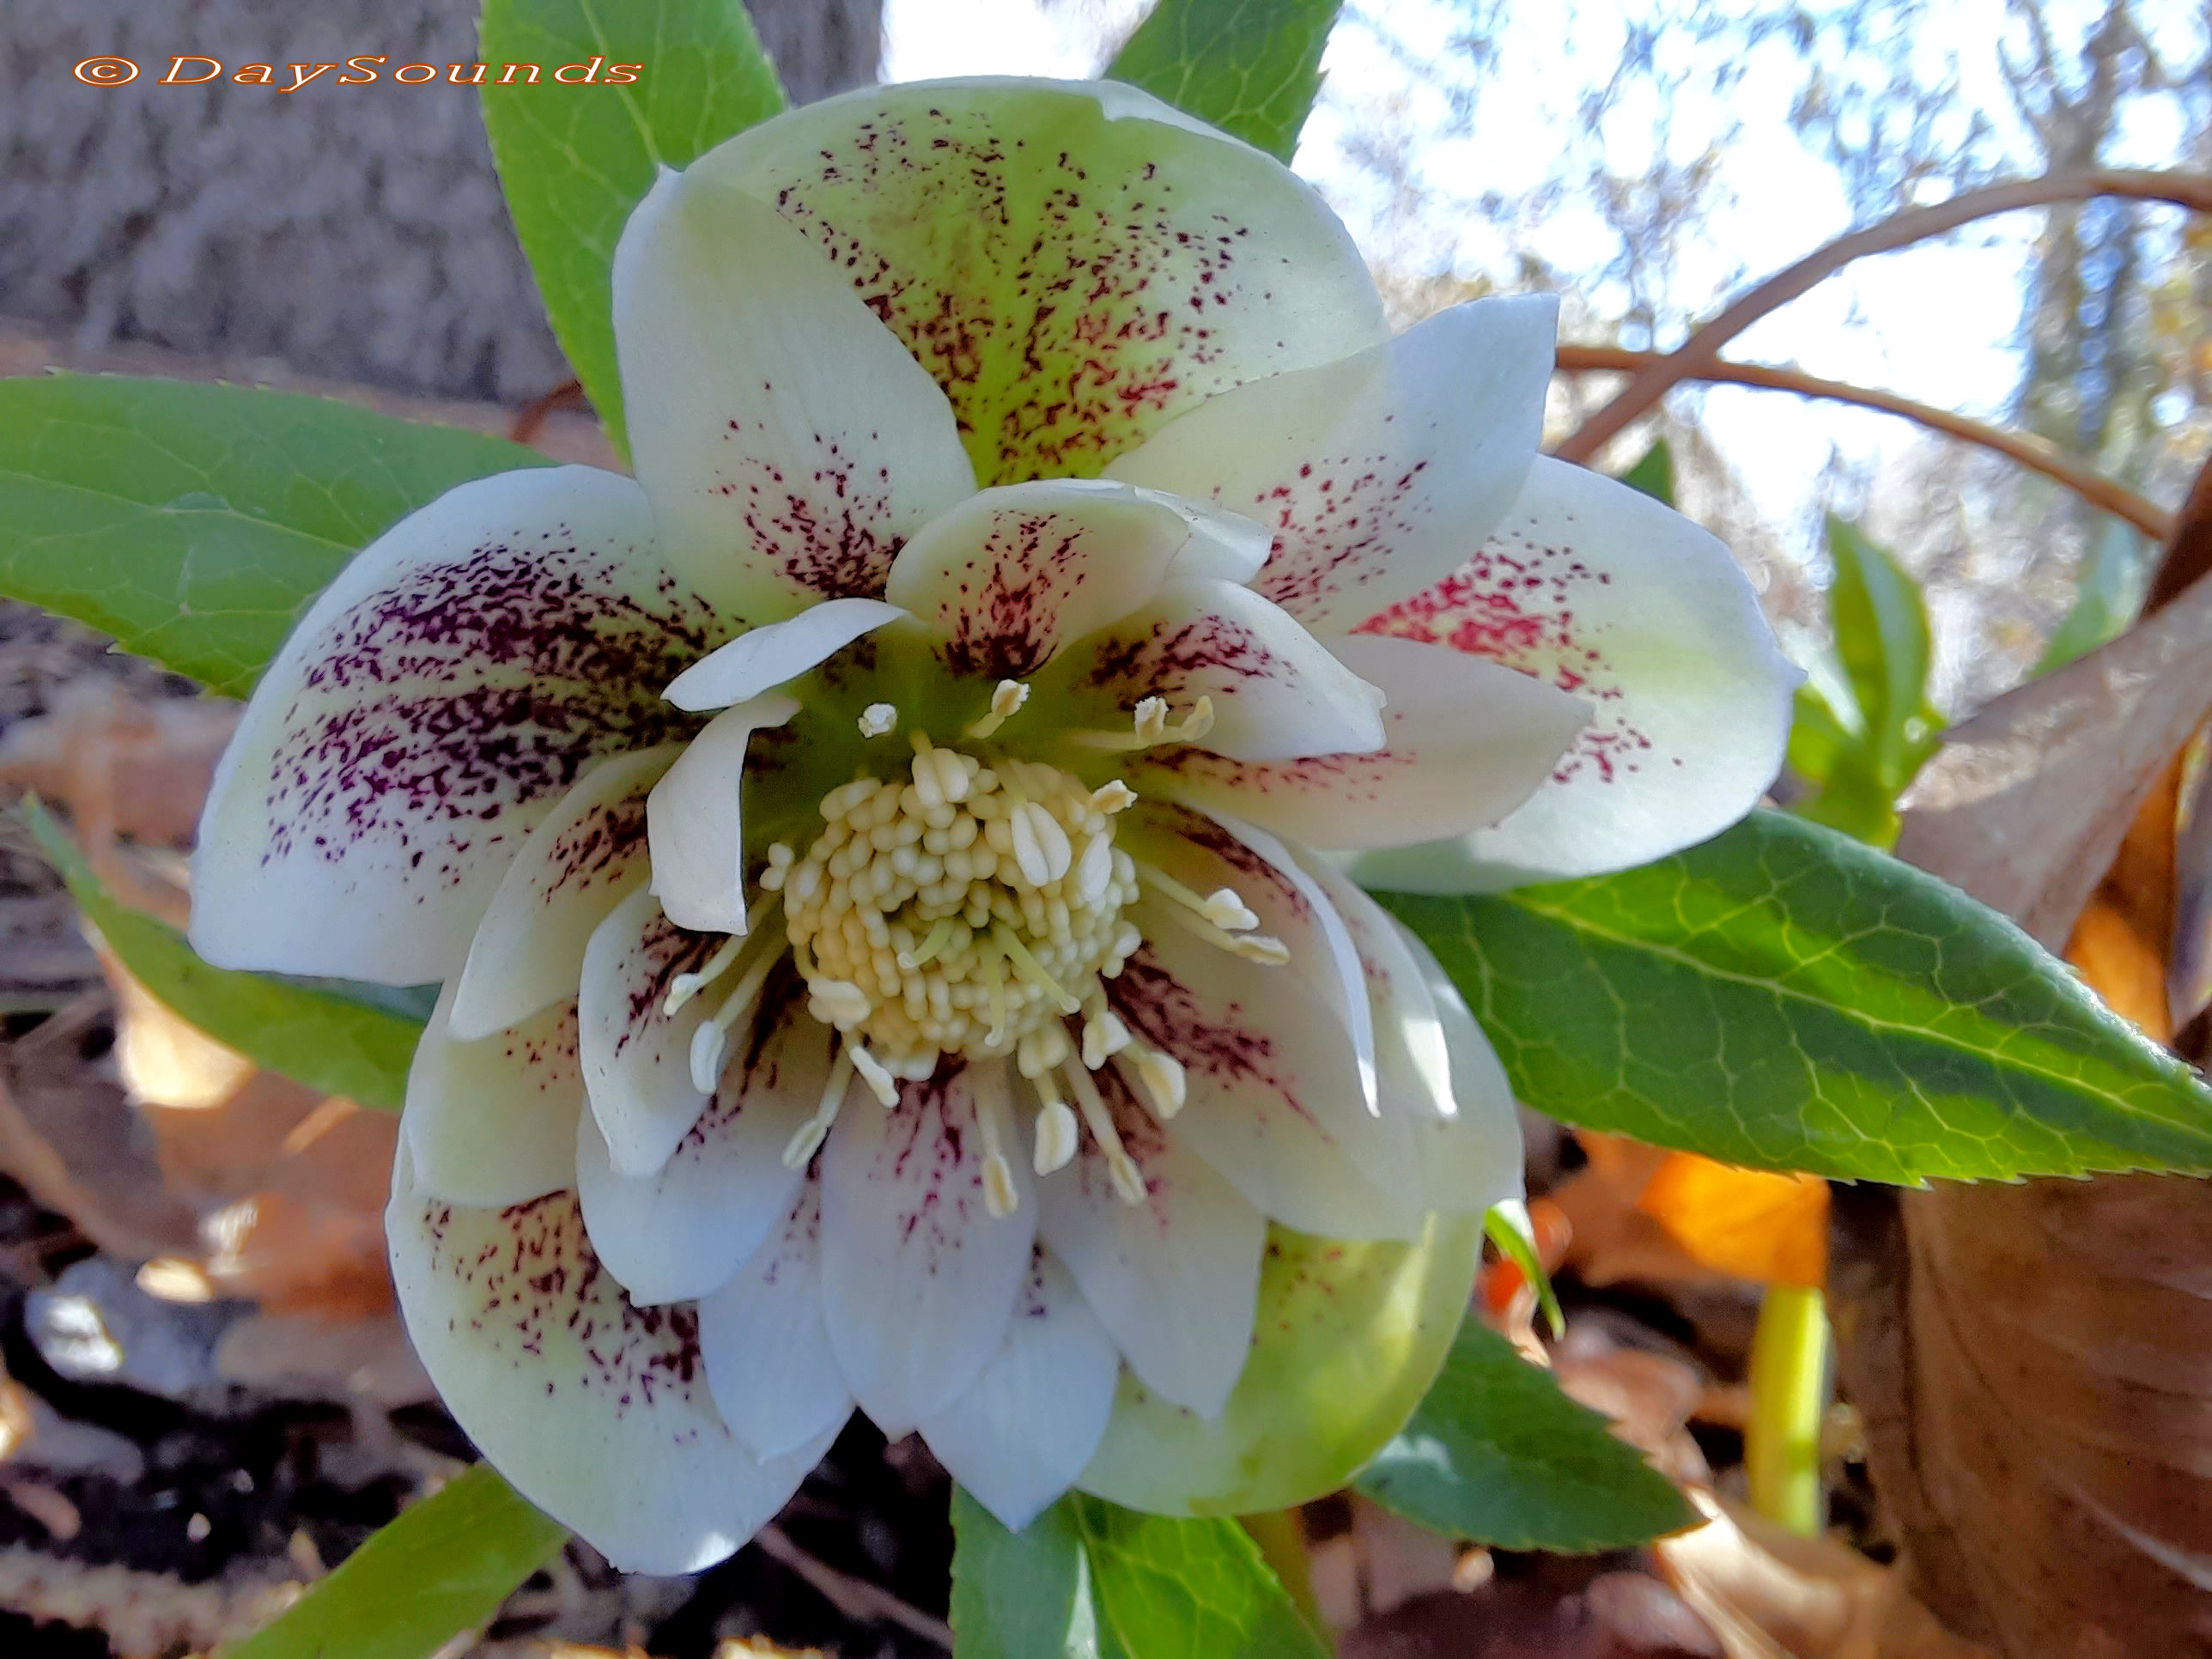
column 1251, row 67
column 1784, row 997
column 1653, row 473
column 443, row 1567
column 325, row 1038
column 1881, row 636
column 1183, row 1589
column 1498, row 1456
column 1019, row 1595
column 574, row 160
column 194, row 523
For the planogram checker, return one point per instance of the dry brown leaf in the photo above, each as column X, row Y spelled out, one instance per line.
column 2028, row 801
column 1612, row 1238
column 1769, row 1594
column 123, row 765
column 2121, row 966
column 1755, row 1224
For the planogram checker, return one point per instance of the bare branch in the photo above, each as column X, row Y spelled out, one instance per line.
column 857, row 1599
column 2188, row 190
column 2027, row 450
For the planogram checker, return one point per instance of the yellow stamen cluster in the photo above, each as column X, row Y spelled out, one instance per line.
column 959, row 911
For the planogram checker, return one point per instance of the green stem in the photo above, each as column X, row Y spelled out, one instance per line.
column 1789, row 1391
column 1282, row 1544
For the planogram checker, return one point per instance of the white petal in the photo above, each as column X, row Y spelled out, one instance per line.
column 637, row 1060
column 1275, row 1097
column 1465, row 741
column 596, row 1410
column 1074, row 264
column 762, row 658
column 1276, row 690
column 1474, row 1158
column 1022, row 1433
column 494, row 1121
column 1009, row 575
column 696, row 834
column 918, row 1279
column 1376, row 472
column 1173, row 1280
column 587, row 856
column 1608, row 594
column 682, row 1231
column 769, row 1359
column 1207, row 853
column 788, row 441
column 452, row 683
column 1435, row 1067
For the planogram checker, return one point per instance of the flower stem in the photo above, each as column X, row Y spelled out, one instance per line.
column 1282, row 1544
column 1789, row 1390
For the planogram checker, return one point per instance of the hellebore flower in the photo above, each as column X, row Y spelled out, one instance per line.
column 871, row 857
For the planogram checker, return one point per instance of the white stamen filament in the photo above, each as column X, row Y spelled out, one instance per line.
column 1120, row 1168
column 878, row 719
column 880, row 1082
column 810, row 1135
column 710, row 1042
column 683, row 987
column 1225, row 907
column 1149, row 726
column 999, row 1196
column 1005, row 702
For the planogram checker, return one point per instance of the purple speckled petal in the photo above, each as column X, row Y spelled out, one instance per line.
column 769, row 1359
column 584, row 858
column 1019, row 1436
column 1605, row 592
column 1465, row 741
column 1277, row 692
column 1376, row 473
column 441, row 695
column 597, row 1410
column 787, row 440
column 1075, row 264
column 679, row 1233
column 493, row 1121
column 636, row 1059
column 918, row 1279
column 1275, row 1097
column 1008, row 575
column 1175, row 1278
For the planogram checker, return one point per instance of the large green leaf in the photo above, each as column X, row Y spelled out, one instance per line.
column 1786, row 998
column 1653, row 473
column 195, row 522
column 1162, row 1589
column 1251, row 67
column 1020, row 1595
column 1089, row 1580
column 325, row 1038
column 443, row 1567
column 575, row 159
column 2108, row 593
column 1497, row 1455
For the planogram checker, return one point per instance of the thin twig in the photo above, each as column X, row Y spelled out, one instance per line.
column 855, row 1598
column 2188, row 190
column 2027, row 450
column 531, row 419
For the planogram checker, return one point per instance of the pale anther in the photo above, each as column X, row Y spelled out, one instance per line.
column 808, row 1139
column 1103, row 1033
column 1055, row 1135
column 880, row 1082
column 1006, row 702
column 1120, row 1168
column 999, row 1196
column 1112, row 797
column 1151, row 720
column 838, row 1002
column 1166, row 1083
column 1225, row 907
column 878, row 719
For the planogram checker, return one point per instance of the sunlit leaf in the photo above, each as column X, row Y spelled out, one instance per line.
column 1497, row 1455
column 1653, row 473
column 443, row 1567
column 2107, row 592
column 1020, row 1595
column 333, row 1041
column 1881, row 636
column 1784, row 998
column 194, row 523
column 575, row 159
column 1162, row 1589
column 1251, row 67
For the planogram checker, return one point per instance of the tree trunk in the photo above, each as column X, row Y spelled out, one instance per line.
column 355, row 233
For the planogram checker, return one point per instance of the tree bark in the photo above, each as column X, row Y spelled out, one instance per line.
column 355, row 232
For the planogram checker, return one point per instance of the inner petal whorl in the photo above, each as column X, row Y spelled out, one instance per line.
column 960, row 910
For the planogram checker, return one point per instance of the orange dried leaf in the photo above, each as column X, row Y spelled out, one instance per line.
column 1753, row 1223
